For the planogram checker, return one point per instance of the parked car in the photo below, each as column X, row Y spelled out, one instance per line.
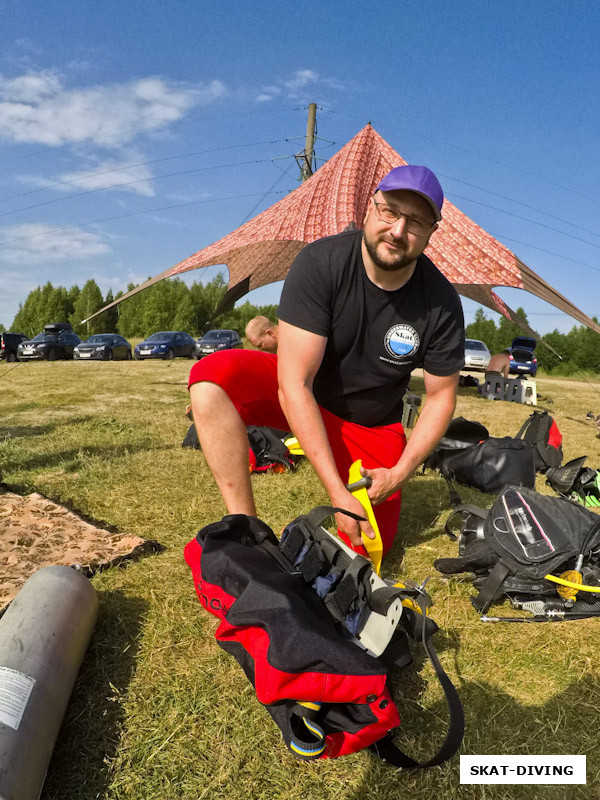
column 216, row 340
column 9, row 343
column 57, row 340
column 477, row 355
column 166, row 344
column 522, row 359
column 104, row 346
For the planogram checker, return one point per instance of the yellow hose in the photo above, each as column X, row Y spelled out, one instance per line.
column 579, row 586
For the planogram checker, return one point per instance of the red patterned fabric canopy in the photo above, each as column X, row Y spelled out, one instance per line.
column 335, row 198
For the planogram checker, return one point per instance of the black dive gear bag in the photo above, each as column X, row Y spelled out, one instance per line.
column 468, row 455
column 293, row 614
column 523, row 538
column 267, row 450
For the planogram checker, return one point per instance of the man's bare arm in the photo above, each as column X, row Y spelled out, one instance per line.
column 433, row 422
column 299, row 357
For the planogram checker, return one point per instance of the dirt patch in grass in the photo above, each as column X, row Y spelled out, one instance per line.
column 36, row 532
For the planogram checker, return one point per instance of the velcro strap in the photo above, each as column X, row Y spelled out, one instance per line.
column 331, row 552
column 381, row 599
column 293, row 540
column 312, row 563
column 348, row 590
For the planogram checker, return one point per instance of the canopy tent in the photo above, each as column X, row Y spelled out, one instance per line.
column 334, row 199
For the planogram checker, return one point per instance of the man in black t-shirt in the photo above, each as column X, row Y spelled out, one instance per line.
column 358, row 312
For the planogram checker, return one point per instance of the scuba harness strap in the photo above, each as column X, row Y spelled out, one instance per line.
column 389, row 752
column 491, row 588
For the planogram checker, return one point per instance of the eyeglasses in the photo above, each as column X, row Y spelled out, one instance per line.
column 391, row 215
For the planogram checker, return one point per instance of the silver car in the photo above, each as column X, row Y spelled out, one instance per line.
column 477, row 356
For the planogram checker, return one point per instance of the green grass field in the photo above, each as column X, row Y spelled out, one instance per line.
column 160, row 712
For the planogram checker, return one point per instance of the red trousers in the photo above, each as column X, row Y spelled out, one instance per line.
column 249, row 377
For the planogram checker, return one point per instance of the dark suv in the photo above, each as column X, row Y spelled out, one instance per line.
column 9, row 343
column 57, row 340
column 213, row 341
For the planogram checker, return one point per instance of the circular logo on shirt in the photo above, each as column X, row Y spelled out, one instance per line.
column 401, row 341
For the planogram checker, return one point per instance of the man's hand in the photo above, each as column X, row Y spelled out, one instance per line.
column 350, row 526
column 383, row 483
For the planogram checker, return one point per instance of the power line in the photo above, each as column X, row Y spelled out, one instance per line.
column 269, row 190
column 525, row 219
column 518, row 202
column 100, row 139
column 474, row 153
column 502, row 238
column 131, row 183
column 203, row 152
column 132, row 214
column 137, row 164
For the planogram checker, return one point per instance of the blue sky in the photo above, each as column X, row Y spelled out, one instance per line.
column 133, row 134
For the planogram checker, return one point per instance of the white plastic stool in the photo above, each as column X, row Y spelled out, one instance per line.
column 528, row 393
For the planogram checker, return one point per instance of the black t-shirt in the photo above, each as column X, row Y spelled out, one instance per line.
column 375, row 338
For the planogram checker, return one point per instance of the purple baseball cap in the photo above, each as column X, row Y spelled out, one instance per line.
column 415, row 179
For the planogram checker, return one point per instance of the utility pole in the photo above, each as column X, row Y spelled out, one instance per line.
column 306, row 158
column 306, row 165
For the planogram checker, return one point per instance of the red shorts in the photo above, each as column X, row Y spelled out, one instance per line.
column 250, row 379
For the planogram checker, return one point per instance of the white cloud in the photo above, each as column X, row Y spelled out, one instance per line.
column 36, row 243
column 297, row 85
column 31, row 88
column 268, row 93
column 302, row 78
column 36, row 107
column 105, row 175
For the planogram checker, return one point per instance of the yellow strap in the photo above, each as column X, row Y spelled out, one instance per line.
column 293, row 445
column 408, row 602
column 374, row 547
column 309, row 704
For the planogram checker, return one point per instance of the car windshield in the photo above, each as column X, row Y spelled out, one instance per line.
column 217, row 335
column 160, row 337
column 473, row 344
column 45, row 337
column 99, row 338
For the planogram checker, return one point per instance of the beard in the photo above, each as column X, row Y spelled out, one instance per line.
column 396, row 263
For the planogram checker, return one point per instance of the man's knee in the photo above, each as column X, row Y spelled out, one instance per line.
column 207, row 399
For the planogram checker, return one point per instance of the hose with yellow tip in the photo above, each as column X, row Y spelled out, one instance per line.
column 579, row 587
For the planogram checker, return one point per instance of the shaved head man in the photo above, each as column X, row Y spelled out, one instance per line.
column 262, row 334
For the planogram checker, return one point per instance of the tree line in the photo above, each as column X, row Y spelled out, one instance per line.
column 576, row 351
column 173, row 305
column 168, row 305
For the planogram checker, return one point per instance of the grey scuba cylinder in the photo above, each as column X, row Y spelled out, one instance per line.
column 44, row 634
